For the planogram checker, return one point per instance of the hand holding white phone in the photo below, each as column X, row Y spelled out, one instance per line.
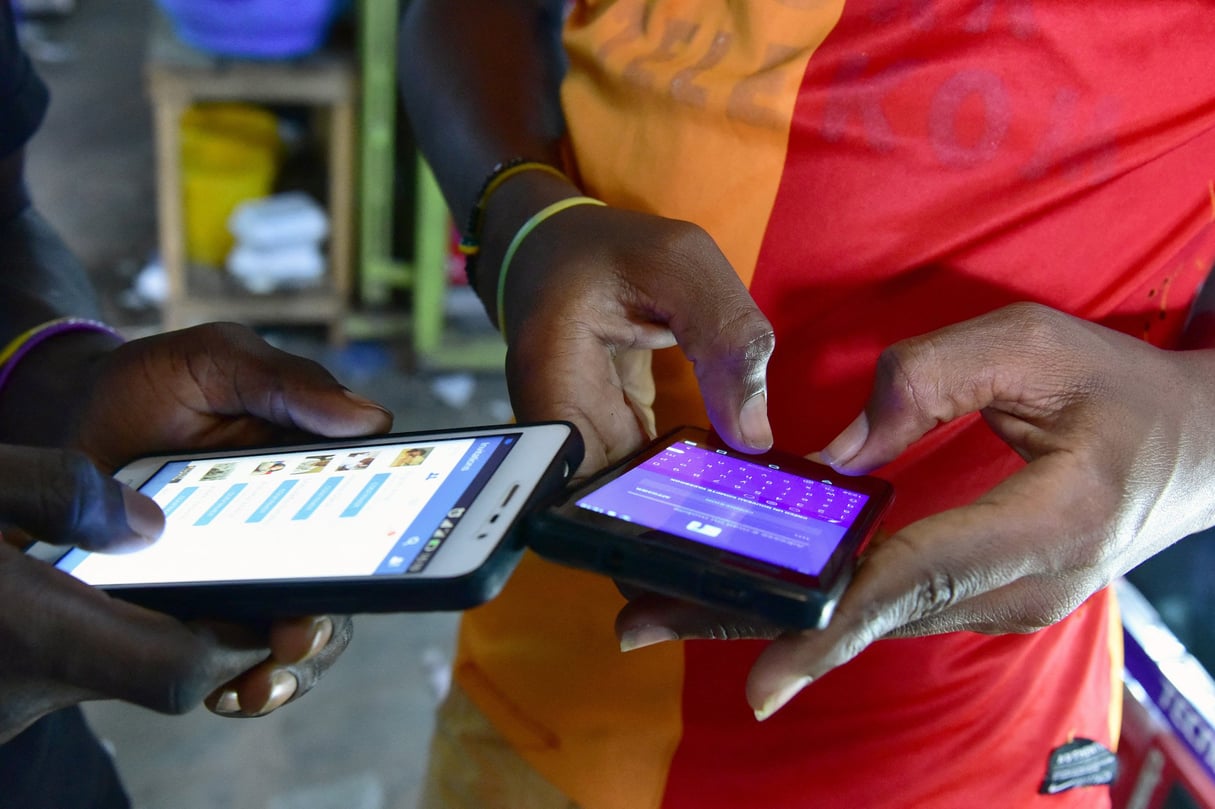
column 414, row 521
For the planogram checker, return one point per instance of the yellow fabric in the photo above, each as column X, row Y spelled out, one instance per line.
column 1117, row 665
column 471, row 766
column 542, row 661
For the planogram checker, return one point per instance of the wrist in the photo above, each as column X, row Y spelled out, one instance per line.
column 518, row 199
column 47, row 391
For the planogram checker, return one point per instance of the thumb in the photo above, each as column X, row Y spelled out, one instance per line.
column 729, row 341
column 997, row 359
column 61, row 497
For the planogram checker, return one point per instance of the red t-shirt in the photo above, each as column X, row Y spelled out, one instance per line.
column 874, row 170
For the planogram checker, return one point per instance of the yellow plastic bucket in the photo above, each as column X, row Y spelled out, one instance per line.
column 229, row 154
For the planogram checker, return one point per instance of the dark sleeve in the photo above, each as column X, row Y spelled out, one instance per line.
column 23, row 96
column 58, row 762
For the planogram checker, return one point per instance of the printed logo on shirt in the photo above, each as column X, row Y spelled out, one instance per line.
column 1079, row 763
column 721, row 58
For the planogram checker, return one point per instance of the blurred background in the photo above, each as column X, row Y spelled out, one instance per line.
column 211, row 160
column 285, row 123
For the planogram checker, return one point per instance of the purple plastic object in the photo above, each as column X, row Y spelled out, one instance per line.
column 252, row 29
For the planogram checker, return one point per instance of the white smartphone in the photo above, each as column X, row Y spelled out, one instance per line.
column 404, row 522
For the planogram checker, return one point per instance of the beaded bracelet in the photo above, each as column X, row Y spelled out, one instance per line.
column 470, row 240
column 537, row 218
column 27, row 341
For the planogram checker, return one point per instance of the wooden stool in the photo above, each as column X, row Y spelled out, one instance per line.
column 177, row 77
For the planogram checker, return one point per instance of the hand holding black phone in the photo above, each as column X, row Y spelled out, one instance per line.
column 775, row 535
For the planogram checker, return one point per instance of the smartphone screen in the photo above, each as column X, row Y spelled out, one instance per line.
column 710, row 496
column 774, row 535
column 382, row 509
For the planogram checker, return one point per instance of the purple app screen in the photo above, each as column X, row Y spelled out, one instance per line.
column 750, row 509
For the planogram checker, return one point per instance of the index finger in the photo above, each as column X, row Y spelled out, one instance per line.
column 963, row 569
column 721, row 330
column 234, row 372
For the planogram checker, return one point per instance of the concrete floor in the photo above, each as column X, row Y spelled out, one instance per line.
column 358, row 741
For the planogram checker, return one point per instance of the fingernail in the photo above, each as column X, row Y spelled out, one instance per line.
column 322, row 632
column 228, row 703
column 778, row 700
column 753, row 421
column 645, row 636
column 363, row 401
column 282, row 688
column 848, row 443
column 144, row 517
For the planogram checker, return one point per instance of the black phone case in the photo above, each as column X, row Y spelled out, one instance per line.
column 663, row 570
column 660, row 568
column 245, row 600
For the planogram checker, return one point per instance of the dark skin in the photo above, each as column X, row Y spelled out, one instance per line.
column 582, row 315
column 208, row 387
column 217, row 385
column 1112, row 429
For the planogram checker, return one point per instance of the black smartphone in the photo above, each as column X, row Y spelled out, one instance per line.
column 774, row 535
column 422, row 521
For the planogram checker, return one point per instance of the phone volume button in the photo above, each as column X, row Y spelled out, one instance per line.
column 510, row 493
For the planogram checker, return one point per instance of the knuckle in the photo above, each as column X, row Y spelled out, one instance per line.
column 934, row 588
column 746, row 328
column 936, row 591
column 1033, row 320
column 742, row 343
column 222, row 331
column 686, row 252
column 686, row 239
column 189, row 669
column 731, row 628
column 186, row 688
column 1038, row 332
column 853, row 645
column 901, row 370
column 917, row 376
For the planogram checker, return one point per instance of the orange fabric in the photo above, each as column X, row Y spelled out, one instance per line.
column 718, row 61
column 559, row 690
column 717, row 55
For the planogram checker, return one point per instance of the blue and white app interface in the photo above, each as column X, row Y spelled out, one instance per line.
column 369, row 510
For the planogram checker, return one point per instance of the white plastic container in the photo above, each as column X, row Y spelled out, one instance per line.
column 291, row 218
